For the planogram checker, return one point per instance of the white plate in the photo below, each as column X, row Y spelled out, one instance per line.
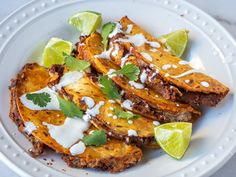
column 211, row 48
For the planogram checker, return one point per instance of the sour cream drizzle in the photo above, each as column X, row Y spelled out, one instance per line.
column 29, row 127
column 118, row 29
column 68, row 78
column 187, row 73
column 68, row 133
column 138, row 40
column 52, row 105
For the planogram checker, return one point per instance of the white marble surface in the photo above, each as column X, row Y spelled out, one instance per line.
column 222, row 10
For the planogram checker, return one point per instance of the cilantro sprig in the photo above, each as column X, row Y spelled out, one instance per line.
column 96, row 138
column 125, row 115
column 106, row 30
column 69, row 108
column 40, row 99
column 73, row 64
column 130, row 70
column 109, row 88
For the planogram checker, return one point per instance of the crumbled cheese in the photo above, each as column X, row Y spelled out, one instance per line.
column 174, row 66
column 153, row 50
column 127, row 104
column 110, row 115
column 114, row 117
column 182, row 62
column 167, row 50
column 187, row 81
column 166, row 66
column 88, row 101
column 29, row 127
column 95, row 110
column 205, row 84
column 132, row 133
column 167, row 75
column 136, row 85
column 77, row 148
column 129, row 28
column 111, row 108
column 156, row 123
column 130, row 122
column 143, row 76
column 147, row 56
column 111, row 101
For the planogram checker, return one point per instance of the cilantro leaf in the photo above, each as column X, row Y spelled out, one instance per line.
column 125, row 115
column 74, row 64
column 69, row 108
column 96, row 138
column 40, row 99
column 109, row 88
column 130, row 70
column 106, row 30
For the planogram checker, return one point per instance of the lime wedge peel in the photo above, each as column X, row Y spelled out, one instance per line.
column 176, row 42
column 53, row 51
column 174, row 138
column 86, row 22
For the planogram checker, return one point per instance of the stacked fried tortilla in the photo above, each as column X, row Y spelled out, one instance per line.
column 167, row 90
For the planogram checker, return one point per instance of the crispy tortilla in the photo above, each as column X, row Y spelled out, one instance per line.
column 34, row 77
column 92, row 46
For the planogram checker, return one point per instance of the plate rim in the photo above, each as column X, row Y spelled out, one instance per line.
column 210, row 170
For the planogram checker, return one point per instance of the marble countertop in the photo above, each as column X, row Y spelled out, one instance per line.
column 222, row 10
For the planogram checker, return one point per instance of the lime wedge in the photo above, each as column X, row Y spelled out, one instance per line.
column 175, row 41
column 53, row 51
column 86, row 22
column 174, row 137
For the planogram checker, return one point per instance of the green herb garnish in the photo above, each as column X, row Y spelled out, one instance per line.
column 109, row 88
column 106, row 30
column 96, row 138
column 74, row 64
column 40, row 99
column 125, row 115
column 69, row 108
column 130, row 70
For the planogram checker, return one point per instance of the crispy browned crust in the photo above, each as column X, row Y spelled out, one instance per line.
column 193, row 92
column 94, row 157
column 37, row 146
column 111, row 164
column 113, row 130
column 142, row 107
column 138, row 141
column 157, row 108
